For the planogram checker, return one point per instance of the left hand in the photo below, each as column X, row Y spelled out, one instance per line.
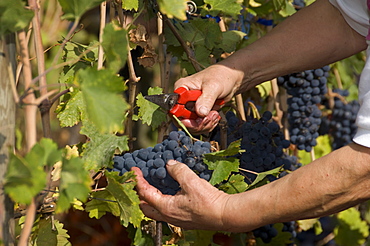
column 198, row 205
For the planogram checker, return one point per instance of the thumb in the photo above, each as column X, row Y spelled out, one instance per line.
column 206, row 101
column 182, row 173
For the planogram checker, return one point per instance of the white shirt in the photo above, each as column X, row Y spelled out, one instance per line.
column 356, row 14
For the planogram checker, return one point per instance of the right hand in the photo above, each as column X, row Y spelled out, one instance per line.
column 215, row 82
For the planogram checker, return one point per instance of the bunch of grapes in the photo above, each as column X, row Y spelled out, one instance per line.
column 263, row 144
column 152, row 160
column 266, row 233
column 340, row 124
column 304, row 116
column 234, row 126
column 298, row 4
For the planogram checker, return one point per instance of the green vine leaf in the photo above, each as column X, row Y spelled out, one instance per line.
column 115, row 46
column 140, row 238
column 101, row 203
column 99, row 150
column 80, row 56
column 352, row 230
column 48, row 236
column 226, row 7
column 261, row 176
column 173, row 8
column 235, row 184
column 222, row 167
column 150, row 113
column 74, row 9
column 72, row 109
column 102, row 93
column 25, row 177
column 11, row 9
column 230, row 40
column 75, row 183
column 222, row 164
column 122, row 188
column 287, row 10
column 130, row 4
column 231, row 150
column 197, row 238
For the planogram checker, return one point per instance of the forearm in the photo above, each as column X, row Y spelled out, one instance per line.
column 330, row 184
column 313, row 37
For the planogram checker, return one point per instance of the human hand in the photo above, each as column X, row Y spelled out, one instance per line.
column 198, row 205
column 215, row 82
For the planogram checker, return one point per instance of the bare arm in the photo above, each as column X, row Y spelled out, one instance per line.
column 330, row 184
column 315, row 36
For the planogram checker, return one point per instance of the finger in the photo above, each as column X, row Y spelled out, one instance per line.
column 151, row 212
column 189, row 83
column 146, row 192
column 183, row 175
column 202, row 125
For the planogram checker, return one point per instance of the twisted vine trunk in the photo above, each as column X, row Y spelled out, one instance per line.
column 7, row 125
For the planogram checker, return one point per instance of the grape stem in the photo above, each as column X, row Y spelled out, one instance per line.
column 248, row 171
column 255, row 112
column 337, row 78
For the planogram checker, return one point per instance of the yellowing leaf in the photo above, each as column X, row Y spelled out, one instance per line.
column 173, row 8
column 264, row 88
column 254, row 4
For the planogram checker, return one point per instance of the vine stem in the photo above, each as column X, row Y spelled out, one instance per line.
column 238, row 101
column 312, row 154
column 30, row 124
column 248, row 171
column 28, row 224
column 38, row 44
column 164, row 67
column 103, row 18
column 133, row 79
column 337, row 78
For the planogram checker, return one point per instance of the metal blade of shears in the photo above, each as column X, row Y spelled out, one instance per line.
column 165, row 101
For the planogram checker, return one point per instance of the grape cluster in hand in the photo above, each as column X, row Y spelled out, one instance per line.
column 304, row 116
column 152, row 161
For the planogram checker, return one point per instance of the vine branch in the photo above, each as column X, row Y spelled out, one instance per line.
column 30, row 123
column 189, row 52
column 133, row 79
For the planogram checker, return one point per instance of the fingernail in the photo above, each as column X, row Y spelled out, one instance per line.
column 215, row 117
column 171, row 162
column 206, row 120
column 203, row 110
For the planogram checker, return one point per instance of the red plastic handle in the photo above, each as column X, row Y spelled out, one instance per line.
column 185, row 96
column 180, row 111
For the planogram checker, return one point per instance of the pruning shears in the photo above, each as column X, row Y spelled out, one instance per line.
column 180, row 102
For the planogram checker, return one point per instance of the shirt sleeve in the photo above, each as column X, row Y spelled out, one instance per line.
column 355, row 12
column 362, row 136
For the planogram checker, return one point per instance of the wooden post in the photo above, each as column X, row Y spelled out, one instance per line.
column 7, row 135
